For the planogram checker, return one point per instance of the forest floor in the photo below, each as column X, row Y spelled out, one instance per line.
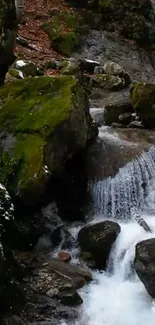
column 39, row 47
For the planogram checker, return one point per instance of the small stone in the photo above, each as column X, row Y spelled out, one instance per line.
column 64, row 256
column 136, row 125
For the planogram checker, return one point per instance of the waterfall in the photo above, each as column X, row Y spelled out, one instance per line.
column 127, row 192
column 117, row 297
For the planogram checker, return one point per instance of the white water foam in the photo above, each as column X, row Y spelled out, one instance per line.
column 117, row 297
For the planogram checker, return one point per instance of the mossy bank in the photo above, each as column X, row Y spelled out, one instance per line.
column 44, row 122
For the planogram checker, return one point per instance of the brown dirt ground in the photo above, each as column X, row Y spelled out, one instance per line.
column 35, row 13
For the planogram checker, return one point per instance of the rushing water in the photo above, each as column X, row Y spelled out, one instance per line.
column 117, row 296
column 127, row 192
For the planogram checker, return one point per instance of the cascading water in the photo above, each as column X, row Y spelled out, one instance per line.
column 117, row 296
column 127, row 192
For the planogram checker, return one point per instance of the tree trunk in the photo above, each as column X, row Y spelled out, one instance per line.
column 8, row 29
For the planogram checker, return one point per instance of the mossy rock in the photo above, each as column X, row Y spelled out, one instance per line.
column 108, row 81
column 26, row 68
column 44, row 121
column 66, row 41
column 143, row 102
column 70, row 69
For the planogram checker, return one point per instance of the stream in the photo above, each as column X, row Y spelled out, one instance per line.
column 117, row 296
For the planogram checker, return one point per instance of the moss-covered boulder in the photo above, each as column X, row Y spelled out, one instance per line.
column 63, row 30
column 44, row 121
column 143, row 102
column 108, row 81
column 96, row 240
column 21, row 69
column 113, row 69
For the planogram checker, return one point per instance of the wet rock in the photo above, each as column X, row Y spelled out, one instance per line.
column 97, row 239
column 88, row 65
column 116, row 107
column 145, row 264
column 136, row 125
column 56, row 279
column 78, row 275
column 64, row 256
column 142, row 223
column 71, row 298
column 125, row 118
column 143, row 102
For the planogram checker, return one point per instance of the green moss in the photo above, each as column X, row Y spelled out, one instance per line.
column 36, row 105
column 15, row 73
column 143, row 102
column 107, row 81
column 30, row 110
column 70, row 69
column 66, row 41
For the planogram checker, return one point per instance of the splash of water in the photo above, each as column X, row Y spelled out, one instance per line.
column 117, row 297
column 127, row 192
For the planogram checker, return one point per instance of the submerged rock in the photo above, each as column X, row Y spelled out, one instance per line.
column 44, row 122
column 143, row 102
column 97, row 239
column 145, row 264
